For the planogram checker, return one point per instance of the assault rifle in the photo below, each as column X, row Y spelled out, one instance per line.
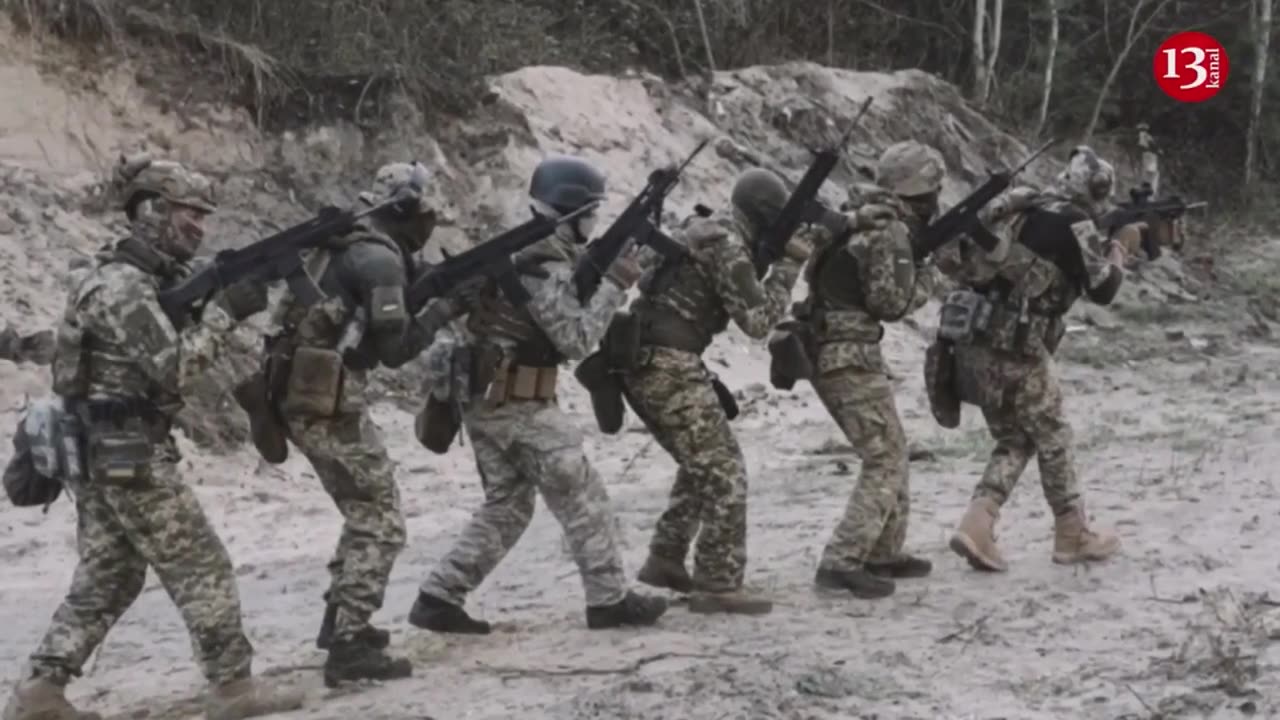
column 278, row 257
column 490, row 259
column 963, row 216
column 802, row 205
column 1143, row 207
column 639, row 221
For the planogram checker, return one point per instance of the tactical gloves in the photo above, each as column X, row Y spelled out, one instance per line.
column 871, row 216
column 625, row 271
column 802, row 244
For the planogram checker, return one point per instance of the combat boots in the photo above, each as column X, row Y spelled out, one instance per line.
column 355, row 659
column 39, row 698
column 660, row 572
column 1074, row 542
column 377, row 637
column 861, row 582
column 733, row 602
column 431, row 613
column 250, row 697
column 975, row 539
column 903, row 566
column 634, row 609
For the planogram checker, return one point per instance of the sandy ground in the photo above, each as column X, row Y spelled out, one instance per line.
column 1177, row 455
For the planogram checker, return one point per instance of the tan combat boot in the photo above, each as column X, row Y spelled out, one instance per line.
column 1074, row 542
column 663, row 573
column 975, row 539
column 250, row 697
column 42, row 699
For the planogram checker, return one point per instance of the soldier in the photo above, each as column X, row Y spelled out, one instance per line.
column 1150, row 158
column 1004, row 364
column 855, row 287
column 312, row 393
column 121, row 366
column 523, row 442
column 679, row 312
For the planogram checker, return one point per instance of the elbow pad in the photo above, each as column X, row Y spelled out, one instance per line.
column 387, row 313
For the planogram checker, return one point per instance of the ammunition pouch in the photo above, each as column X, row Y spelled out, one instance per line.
column 792, row 354
column 605, row 388
column 120, row 446
column 387, row 312
column 940, row 383
column 622, row 342
column 965, row 315
column 522, row 382
column 313, row 386
column 727, row 402
column 437, row 424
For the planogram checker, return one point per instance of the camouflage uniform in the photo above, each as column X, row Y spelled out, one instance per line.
column 315, row 386
column 855, row 287
column 523, row 442
column 679, row 312
column 1006, row 368
column 123, row 366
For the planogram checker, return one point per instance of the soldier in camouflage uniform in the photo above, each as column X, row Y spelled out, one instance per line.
column 122, row 365
column 679, row 312
column 855, row 287
column 501, row 366
column 1003, row 363
column 312, row 392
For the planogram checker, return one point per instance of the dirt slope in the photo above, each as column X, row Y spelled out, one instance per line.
column 1173, row 399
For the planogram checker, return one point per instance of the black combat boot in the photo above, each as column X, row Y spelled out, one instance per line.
column 860, row 583
column 634, row 609
column 376, row 637
column 663, row 573
column 431, row 613
column 355, row 659
column 903, row 566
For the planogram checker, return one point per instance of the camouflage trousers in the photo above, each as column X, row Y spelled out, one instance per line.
column 120, row 532
column 351, row 461
column 874, row 525
column 1022, row 403
column 524, row 448
column 673, row 395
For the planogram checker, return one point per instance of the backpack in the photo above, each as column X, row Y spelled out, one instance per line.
column 46, row 454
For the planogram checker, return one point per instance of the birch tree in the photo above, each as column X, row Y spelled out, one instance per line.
column 1134, row 31
column 1260, row 24
column 1051, row 59
column 987, row 29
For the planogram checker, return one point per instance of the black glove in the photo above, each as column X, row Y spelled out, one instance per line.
column 244, row 299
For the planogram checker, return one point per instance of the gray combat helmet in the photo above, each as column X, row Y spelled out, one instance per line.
column 565, row 183
column 758, row 197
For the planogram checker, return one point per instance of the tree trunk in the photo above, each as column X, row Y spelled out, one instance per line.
column 1261, row 46
column 1042, row 117
column 993, row 50
column 979, row 48
column 1131, row 36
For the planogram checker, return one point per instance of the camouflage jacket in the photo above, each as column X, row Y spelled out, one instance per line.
column 684, row 306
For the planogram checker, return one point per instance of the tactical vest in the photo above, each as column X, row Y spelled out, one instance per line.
column 496, row 318
column 678, row 309
column 86, row 365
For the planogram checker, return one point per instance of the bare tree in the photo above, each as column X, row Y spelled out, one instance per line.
column 1260, row 24
column 1050, row 60
column 980, row 81
column 1135, row 31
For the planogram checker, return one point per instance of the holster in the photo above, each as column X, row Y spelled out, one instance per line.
column 727, row 402
column 791, row 352
column 605, row 388
column 437, row 424
column 940, row 383
column 256, row 396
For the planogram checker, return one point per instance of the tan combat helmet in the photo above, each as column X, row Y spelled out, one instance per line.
column 394, row 177
column 1086, row 175
column 911, row 169
column 139, row 178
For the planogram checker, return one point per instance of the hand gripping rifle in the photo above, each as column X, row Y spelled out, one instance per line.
column 962, row 217
column 639, row 221
column 802, row 205
column 278, row 257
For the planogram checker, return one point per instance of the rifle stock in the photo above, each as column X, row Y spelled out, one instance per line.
column 802, row 205
column 639, row 222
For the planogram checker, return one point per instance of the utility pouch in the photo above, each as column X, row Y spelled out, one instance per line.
column 605, row 389
column 314, row 386
column 791, row 354
column 621, row 346
column 386, row 309
column 120, row 455
column 965, row 314
column 940, row 383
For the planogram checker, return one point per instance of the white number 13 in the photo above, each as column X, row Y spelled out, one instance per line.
column 1198, row 56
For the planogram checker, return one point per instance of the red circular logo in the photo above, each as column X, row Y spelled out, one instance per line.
column 1191, row 66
